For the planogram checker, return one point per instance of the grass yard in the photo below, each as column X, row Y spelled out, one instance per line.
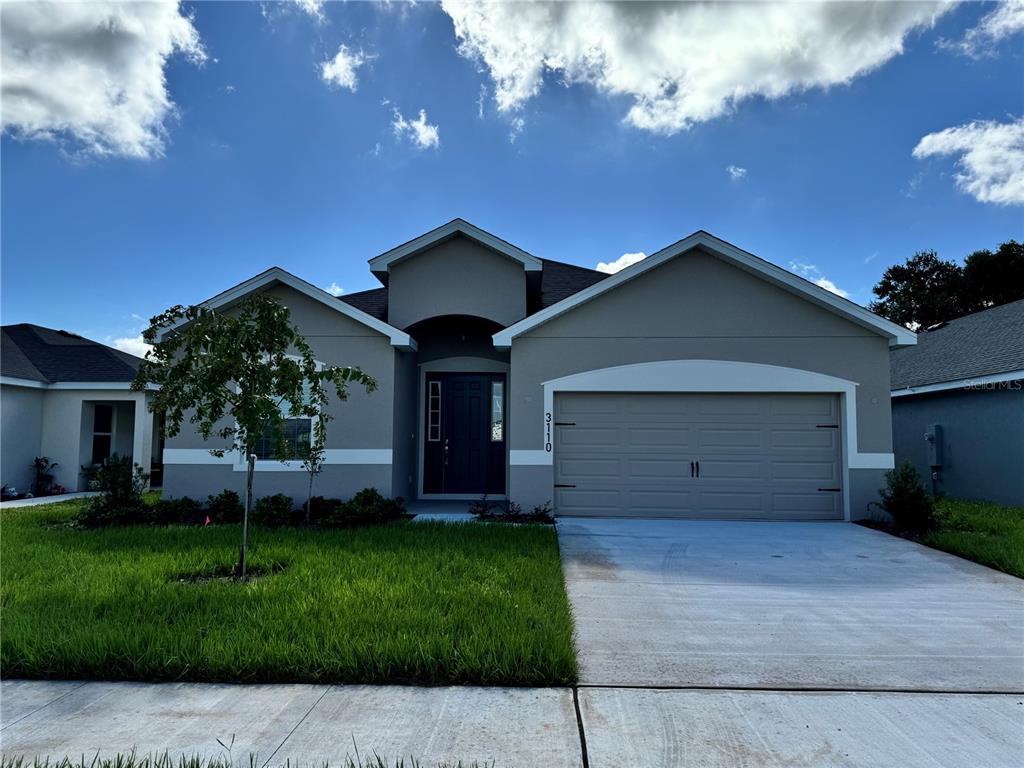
column 986, row 533
column 408, row 602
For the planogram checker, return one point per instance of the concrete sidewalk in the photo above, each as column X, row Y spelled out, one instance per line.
column 37, row 501
column 307, row 725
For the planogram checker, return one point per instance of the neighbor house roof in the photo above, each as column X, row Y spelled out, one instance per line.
column 896, row 334
column 48, row 356
column 989, row 343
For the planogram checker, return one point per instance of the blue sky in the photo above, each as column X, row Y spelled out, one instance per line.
column 259, row 160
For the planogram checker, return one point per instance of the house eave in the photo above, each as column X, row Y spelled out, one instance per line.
column 897, row 335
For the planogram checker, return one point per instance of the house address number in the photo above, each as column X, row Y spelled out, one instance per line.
column 547, row 432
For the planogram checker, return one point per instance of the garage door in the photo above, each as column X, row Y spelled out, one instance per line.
column 720, row 456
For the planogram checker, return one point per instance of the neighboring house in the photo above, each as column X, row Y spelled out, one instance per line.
column 69, row 399
column 967, row 378
column 699, row 382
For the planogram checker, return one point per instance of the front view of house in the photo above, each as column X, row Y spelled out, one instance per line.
column 699, row 382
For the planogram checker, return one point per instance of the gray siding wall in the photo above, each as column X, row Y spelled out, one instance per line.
column 364, row 421
column 456, row 277
column 21, row 417
column 983, row 441
column 697, row 307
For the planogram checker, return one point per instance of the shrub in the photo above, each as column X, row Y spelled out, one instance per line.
column 43, row 468
column 184, row 511
column 367, row 507
column 121, row 484
column 322, row 509
column 512, row 512
column 906, row 500
column 482, row 508
column 225, row 507
column 275, row 511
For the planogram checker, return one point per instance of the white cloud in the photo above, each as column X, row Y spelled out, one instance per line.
column 133, row 345
column 991, row 158
column 682, row 63
column 1006, row 20
column 341, row 70
column 334, row 289
column 517, row 126
column 625, row 260
column 735, row 172
column 314, row 8
column 418, row 131
column 92, row 73
column 812, row 273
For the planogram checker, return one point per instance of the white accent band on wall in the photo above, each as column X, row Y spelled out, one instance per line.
column 529, row 458
column 332, row 456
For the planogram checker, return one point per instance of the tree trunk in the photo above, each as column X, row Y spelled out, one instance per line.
column 245, row 515
column 309, row 498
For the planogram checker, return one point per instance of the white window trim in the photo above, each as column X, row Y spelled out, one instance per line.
column 897, row 334
column 711, row 376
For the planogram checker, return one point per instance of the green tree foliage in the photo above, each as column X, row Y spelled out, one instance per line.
column 995, row 277
column 926, row 290
column 235, row 376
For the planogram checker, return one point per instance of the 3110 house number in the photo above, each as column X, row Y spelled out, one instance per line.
column 547, row 432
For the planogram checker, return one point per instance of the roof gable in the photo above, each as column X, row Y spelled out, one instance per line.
column 897, row 334
column 380, row 265
column 278, row 276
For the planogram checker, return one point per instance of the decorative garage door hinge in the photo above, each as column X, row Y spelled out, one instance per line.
column 565, row 485
column 565, row 423
column 831, row 490
column 827, row 426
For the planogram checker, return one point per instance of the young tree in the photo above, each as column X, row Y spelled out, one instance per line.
column 313, row 460
column 924, row 291
column 237, row 376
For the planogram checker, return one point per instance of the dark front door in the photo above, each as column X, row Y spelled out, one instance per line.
column 464, row 433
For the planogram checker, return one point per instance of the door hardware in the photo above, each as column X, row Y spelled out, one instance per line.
column 565, row 485
column 565, row 423
column 826, row 426
column 832, row 490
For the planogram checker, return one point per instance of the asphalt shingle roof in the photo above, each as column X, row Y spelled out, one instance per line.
column 557, row 281
column 982, row 344
column 47, row 355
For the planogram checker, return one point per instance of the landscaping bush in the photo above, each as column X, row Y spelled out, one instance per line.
column 367, row 507
column 322, row 509
column 225, row 507
column 276, row 511
column 121, row 484
column 183, row 511
column 510, row 512
column 906, row 499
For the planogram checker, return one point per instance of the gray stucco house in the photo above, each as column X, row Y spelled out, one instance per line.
column 958, row 405
column 68, row 398
column 699, row 382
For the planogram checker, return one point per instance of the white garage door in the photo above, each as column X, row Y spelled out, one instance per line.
column 721, row 456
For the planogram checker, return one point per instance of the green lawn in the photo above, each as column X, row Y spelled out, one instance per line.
column 986, row 533
column 409, row 602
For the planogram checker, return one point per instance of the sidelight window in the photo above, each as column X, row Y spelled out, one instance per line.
column 497, row 411
column 434, row 412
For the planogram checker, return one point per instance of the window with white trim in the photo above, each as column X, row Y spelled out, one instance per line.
column 298, row 435
column 434, row 412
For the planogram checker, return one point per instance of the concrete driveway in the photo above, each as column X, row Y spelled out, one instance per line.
column 816, row 606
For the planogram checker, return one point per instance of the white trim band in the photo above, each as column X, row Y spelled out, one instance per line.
column 332, row 457
column 964, row 384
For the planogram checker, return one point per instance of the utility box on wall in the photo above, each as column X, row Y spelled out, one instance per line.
column 933, row 438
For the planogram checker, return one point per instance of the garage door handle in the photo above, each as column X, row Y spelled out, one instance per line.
column 830, row 490
column 565, row 423
column 698, row 469
column 565, row 485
